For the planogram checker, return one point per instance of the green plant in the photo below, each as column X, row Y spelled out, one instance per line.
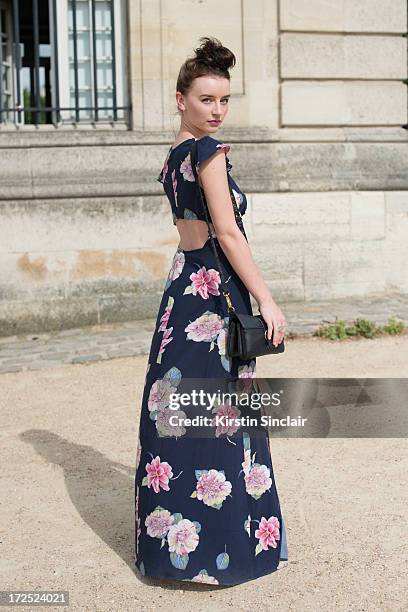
column 394, row 327
column 333, row 331
column 364, row 328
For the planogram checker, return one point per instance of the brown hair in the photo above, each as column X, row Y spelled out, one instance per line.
column 211, row 57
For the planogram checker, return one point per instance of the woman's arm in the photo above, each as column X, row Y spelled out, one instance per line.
column 214, row 180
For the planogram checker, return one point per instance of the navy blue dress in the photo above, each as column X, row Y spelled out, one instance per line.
column 206, row 510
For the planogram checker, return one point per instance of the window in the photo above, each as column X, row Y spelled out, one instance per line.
column 68, row 61
column 6, row 85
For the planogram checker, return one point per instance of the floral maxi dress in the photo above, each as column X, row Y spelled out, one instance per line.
column 206, row 510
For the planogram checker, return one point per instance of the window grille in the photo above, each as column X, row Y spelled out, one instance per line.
column 92, row 59
column 62, row 61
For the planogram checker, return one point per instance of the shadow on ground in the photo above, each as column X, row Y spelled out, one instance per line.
column 102, row 491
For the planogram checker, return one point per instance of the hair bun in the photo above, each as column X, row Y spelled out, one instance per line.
column 211, row 57
column 213, row 54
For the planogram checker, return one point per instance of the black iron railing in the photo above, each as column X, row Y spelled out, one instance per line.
column 37, row 107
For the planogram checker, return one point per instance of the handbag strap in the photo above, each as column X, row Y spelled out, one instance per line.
column 238, row 219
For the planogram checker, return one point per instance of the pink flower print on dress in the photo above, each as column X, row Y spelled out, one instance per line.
column 224, row 147
column 186, row 169
column 166, row 332
column 258, row 480
column 239, row 198
column 205, row 328
column 267, row 534
column 138, row 453
column 246, row 464
column 159, row 396
column 224, row 419
column 158, row 522
column 246, row 374
column 226, row 361
column 166, row 315
column 165, row 167
column 247, row 371
column 177, row 266
column 204, row 282
column 183, row 537
column 203, row 577
column 167, row 337
column 174, row 181
column 212, row 488
column 222, row 341
column 165, row 427
column 158, row 474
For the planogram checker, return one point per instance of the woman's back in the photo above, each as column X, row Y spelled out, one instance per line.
column 182, row 191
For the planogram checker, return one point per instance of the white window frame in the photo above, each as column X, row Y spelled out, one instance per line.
column 63, row 61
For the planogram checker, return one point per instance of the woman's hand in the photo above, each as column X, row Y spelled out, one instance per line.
column 275, row 320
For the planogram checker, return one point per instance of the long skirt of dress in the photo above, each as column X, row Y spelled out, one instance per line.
column 206, row 510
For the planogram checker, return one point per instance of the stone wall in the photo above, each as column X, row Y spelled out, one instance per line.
column 317, row 143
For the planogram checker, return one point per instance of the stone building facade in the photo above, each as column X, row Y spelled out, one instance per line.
column 317, row 127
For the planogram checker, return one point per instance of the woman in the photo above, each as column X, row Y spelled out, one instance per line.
column 207, row 509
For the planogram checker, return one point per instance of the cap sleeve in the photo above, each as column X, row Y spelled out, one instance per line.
column 207, row 147
column 163, row 171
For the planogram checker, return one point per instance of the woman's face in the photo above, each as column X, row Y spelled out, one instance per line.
column 206, row 104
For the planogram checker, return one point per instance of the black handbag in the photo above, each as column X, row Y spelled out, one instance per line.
column 247, row 334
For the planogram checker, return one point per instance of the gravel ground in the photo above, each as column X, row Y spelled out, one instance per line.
column 68, row 452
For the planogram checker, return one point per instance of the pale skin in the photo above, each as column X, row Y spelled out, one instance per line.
column 208, row 100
